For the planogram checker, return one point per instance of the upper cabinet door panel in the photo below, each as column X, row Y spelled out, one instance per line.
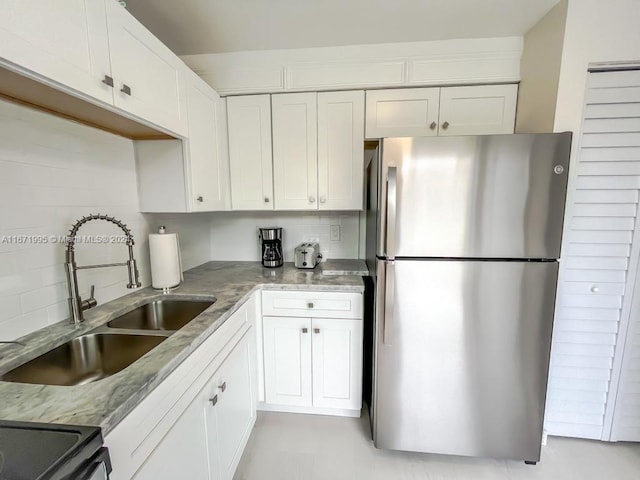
column 147, row 75
column 209, row 173
column 407, row 112
column 478, row 110
column 340, row 150
column 249, row 124
column 295, row 154
column 64, row 41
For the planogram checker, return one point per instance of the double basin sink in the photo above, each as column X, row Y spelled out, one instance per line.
column 111, row 348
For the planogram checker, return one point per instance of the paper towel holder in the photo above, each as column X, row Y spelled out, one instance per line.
column 168, row 289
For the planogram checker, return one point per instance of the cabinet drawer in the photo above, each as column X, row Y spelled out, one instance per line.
column 312, row 304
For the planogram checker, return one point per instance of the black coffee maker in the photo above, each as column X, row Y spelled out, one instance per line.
column 271, row 238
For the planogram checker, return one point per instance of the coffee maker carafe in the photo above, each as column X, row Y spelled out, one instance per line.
column 271, row 239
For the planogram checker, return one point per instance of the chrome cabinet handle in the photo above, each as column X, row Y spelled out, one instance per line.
column 126, row 89
column 316, row 330
column 310, row 305
column 305, row 330
column 214, row 400
column 445, row 125
column 433, row 125
column 595, row 289
column 223, row 387
column 107, row 80
column 392, row 193
column 199, row 198
column 312, row 199
column 323, row 199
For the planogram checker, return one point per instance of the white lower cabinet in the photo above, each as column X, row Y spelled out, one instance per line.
column 312, row 365
column 197, row 422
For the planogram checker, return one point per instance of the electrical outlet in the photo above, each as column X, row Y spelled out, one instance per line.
column 334, row 234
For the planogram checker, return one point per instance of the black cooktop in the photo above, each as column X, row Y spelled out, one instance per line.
column 40, row 451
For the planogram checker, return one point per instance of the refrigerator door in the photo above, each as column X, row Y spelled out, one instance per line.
column 492, row 196
column 462, row 354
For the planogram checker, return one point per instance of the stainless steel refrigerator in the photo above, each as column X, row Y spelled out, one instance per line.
column 464, row 234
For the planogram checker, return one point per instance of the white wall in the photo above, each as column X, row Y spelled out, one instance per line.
column 52, row 172
column 540, row 72
column 194, row 232
column 234, row 235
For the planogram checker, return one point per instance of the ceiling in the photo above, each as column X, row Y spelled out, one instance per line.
column 214, row 26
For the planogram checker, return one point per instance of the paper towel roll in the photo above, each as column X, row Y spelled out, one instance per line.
column 166, row 264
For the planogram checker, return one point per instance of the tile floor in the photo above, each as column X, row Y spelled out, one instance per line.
column 308, row 447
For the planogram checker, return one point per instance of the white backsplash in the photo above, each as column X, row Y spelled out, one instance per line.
column 234, row 235
column 52, row 172
column 193, row 231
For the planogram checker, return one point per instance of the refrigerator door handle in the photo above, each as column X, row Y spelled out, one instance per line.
column 392, row 203
column 389, row 294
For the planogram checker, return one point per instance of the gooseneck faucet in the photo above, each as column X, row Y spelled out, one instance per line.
column 76, row 304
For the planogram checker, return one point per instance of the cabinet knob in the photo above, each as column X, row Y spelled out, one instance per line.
column 223, row 387
column 266, row 199
column 310, row 305
column 316, row 330
column 305, row 330
column 312, row 199
column 107, row 80
column 126, row 89
column 323, row 199
column 445, row 125
column 595, row 289
column 200, row 198
column 214, row 400
column 433, row 125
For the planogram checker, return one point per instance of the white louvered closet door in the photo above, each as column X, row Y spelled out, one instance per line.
column 597, row 273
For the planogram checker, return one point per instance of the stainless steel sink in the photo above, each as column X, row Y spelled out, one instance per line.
column 161, row 315
column 84, row 359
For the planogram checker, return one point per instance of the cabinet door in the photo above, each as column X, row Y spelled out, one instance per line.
column 236, row 407
column 287, row 360
column 249, row 124
column 64, row 41
column 478, row 110
column 295, row 154
column 147, row 75
column 182, row 453
column 406, row 112
column 337, row 363
column 340, row 150
column 205, row 153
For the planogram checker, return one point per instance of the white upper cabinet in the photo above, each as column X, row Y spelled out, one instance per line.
column 423, row 112
column 190, row 175
column 318, row 137
column 295, row 154
column 249, row 125
column 407, row 112
column 147, row 80
column 340, row 150
column 478, row 110
column 95, row 50
column 207, row 148
column 63, row 41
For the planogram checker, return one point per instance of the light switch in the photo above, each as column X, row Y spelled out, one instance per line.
column 334, row 233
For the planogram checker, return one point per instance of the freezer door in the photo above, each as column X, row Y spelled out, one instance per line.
column 495, row 196
column 462, row 355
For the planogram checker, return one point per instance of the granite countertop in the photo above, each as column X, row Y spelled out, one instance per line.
column 106, row 402
column 342, row 266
